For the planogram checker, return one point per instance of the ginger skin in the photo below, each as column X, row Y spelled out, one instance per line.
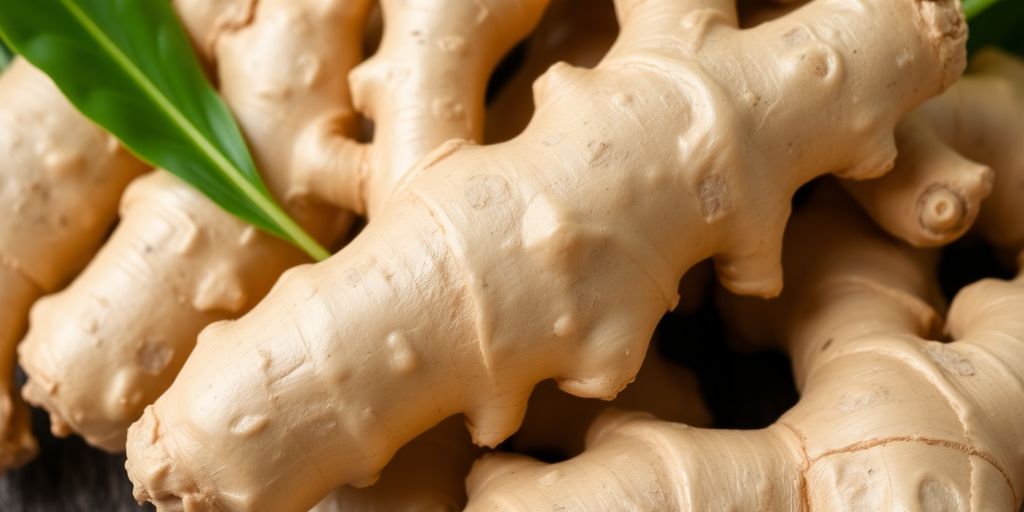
column 955, row 150
column 17, row 445
column 550, row 256
column 577, row 32
column 103, row 349
column 60, row 180
column 887, row 418
column 429, row 473
column 993, row 100
column 425, row 475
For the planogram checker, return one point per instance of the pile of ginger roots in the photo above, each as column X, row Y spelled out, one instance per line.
column 513, row 191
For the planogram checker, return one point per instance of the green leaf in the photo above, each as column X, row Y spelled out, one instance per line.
column 5, row 56
column 973, row 8
column 128, row 66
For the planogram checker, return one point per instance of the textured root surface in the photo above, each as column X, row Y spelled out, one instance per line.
column 17, row 445
column 427, row 313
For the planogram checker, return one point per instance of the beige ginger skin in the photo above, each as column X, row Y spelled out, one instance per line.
column 577, row 32
column 933, row 194
column 550, row 256
column 103, row 349
column 429, row 473
column 426, row 475
column 888, row 419
column 956, row 149
column 60, row 181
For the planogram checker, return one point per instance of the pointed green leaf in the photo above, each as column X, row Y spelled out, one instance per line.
column 128, row 66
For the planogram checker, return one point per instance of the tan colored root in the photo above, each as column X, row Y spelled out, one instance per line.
column 933, row 194
column 577, row 32
column 101, row 350
column 60, row 180
column 17, row 445
column 427, row 474
column 947, row 148
column 995, row 100
column 955, row 150
column 550, row 256
column 106, row 347
column 886, row 419
column 425, row 86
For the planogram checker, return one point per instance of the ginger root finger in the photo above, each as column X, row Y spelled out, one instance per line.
column 552, row 255
column 885, row 420
column 634, row 462
column 17, row 445
column 577, row 32
column 426, row 474
column 60, row 181
column 105, row 347
column 102, row 350
column 423, row 87
column 955, row 150
column 428, row 89
column 429, row 472
column 932, row 195
column 992, row 104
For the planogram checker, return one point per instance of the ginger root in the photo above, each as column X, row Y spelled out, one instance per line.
column 100, row 351
column 425, row 475
column 949, row 148
column 888, row 419
column 577, row 32
column 60, row 180
column 487, row 270
column 429, row 472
